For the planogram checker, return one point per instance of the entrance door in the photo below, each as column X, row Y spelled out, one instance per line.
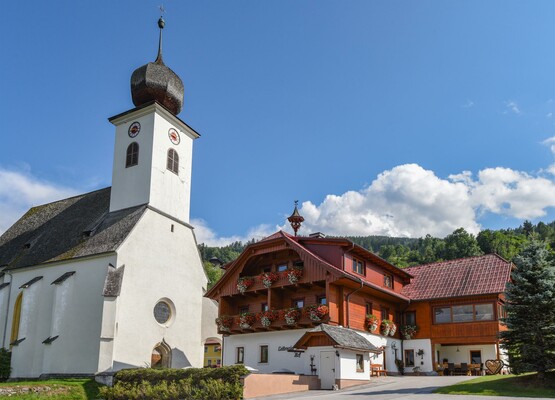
column 327, row 369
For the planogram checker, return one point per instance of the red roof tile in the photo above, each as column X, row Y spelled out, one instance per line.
column 462, row 277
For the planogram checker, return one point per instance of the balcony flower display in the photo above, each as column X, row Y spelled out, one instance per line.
column 371, row 322
column 386, row 327
column 267, row 317
column 316, row 312
column 392, row 329
column 291, row 315
column 224, row 323
column 243, row 283
column 247, row 320
column 408, row 331
column 293, row 275
column 268, row 278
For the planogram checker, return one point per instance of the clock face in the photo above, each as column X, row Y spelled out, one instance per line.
column 134, row 129
column 174, row 136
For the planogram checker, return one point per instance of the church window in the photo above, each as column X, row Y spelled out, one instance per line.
column 132, row 155
column 16, row 318
column 173, row 161
column 163, row 312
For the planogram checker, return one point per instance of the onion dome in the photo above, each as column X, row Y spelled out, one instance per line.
column 155, row 81
column 295, row 219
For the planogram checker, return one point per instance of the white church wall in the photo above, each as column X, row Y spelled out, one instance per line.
column 159, row 264
column 171, row 193
column 131, row 186
column 209, row 328
column 71, row 310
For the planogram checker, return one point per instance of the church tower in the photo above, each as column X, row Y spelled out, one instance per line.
column 153, row 147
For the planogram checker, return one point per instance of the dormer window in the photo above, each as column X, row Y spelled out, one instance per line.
column 132, row 155
column 358, row 266
column 173, row 161
column 388, row 281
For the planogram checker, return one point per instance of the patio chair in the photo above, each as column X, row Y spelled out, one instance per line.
column 464, row 369
column 450, row 370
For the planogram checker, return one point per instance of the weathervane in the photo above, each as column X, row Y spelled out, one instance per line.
column 161, row 24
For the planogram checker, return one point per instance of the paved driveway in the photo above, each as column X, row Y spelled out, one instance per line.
column 398, row 387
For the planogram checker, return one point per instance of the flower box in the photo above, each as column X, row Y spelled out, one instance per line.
column 224, row 323
column 267, row 317
column 293, row 275
column 268, row 278
column 291, row 316
column 247, row 320
column 316, row 312
column 244, row 283
column 372, row 322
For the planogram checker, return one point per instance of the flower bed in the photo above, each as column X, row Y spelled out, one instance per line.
column 268, row 278
column 224, row 323
column 371, row 322
column 243, row 283
column 316, row 312
column 267, row 317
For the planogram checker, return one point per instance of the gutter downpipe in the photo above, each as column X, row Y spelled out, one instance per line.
column 7, row 310
column 347, row 298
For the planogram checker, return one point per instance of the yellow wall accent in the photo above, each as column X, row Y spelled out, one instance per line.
column 212, row 354
column 16, row 317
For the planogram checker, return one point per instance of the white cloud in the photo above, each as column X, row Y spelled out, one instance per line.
column 549, row 115
column 206, row 235
column 20, row 190
column 468, row 104
column 512, row 106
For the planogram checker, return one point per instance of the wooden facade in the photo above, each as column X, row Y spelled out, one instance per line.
column 353, row 283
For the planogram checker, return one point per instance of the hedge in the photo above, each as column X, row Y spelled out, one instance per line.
column 175, row 384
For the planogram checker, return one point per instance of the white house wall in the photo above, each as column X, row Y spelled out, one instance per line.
column 159, row 264
column 72, row 310
column 424, row 361
column 348, row 365
column 278, row 357
column 489, row 352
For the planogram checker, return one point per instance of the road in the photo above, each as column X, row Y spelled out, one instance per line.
column 393, row 388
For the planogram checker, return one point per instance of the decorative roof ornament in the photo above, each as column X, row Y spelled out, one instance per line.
column 296, row 219
column 155, row 81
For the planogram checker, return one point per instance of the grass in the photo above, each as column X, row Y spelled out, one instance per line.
column 525, row 385
column 55, row 389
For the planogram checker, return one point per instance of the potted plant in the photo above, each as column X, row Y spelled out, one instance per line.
column 224, row 323
column 371, row 322
column 385, row 327
column 293, row 275
column 268, row 278
column 392, row 329
column 266, row 318
column 243, row 283
column 408, row 331
column 246, row 320
column 291, row 315
column 316, row 312
column 400, row 366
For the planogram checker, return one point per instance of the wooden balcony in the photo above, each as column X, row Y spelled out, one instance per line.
column 304, row 282
column 278, row 325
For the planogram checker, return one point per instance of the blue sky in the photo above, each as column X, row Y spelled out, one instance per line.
column 380, row 117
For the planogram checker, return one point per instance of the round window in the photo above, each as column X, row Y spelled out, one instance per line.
column 162, row 312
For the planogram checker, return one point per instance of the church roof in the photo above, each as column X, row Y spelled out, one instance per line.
column 75, row 227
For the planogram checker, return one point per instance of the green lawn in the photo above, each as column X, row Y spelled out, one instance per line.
column 58, row 389
column 525, row 385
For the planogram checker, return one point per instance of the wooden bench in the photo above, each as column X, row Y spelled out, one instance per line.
column 377, row 370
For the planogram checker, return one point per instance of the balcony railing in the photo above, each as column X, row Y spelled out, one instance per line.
column 288, row 277
column 233, row 325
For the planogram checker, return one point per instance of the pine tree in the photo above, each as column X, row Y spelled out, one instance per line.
column 530, row 338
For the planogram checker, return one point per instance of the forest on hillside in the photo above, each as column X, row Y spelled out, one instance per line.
column 404, row 252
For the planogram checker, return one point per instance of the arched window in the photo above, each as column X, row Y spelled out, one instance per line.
column 132, row 156
column 173, row 161
column 16, row 317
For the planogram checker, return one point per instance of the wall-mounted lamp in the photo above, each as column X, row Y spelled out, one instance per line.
column 458, row 349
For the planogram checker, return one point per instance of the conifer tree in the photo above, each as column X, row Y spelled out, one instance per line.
column 530, row 338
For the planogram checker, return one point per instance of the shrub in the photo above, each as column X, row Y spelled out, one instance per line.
column 5, row 364
column 169, row 384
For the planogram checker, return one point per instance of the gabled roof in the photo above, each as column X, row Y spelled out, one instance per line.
column 470, row 276
column 296, row 243
column 340, row 337
column 70, row 228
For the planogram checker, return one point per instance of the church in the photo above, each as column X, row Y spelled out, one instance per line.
column 113, row 279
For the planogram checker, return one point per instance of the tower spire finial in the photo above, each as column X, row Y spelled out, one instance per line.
column 161, row 24
column 296, row 219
